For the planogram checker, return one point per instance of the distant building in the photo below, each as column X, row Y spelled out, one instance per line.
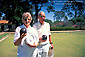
column 5, row 26
column 4, row 22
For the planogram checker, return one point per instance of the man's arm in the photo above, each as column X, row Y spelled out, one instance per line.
column 51, row 42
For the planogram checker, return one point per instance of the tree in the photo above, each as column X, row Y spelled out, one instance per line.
column 83, row 16
column 73, row 20
column 60, row 15
column 50, row 8
column 80, row 21
column 13, row 9
column 0, row 14
column 49, row 21
column 68, row 24
column 73, row 8
column 38, row 4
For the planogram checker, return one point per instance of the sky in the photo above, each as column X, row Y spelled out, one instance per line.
column 58, row 6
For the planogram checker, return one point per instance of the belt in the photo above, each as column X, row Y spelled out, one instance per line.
column 43, row 44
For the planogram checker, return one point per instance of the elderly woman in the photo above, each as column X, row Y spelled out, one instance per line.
column 27, row 41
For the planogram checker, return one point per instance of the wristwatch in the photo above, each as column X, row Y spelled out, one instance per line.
column 51, row 43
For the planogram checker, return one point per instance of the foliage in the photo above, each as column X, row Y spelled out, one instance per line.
column 73, row 20
column 63, row 28
column 38, row 4
column 80, row 21
column 83, row 15
column 49, row 21
column 50, row 8
column 60, row 15
column 0, row 30
column 62, row 24
column 14, row 9
column 73, row 8
column 68, row 24
column 57, row 23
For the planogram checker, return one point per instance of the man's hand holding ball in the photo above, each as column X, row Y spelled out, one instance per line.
column 43, row 38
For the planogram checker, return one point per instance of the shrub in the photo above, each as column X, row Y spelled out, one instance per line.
column 63, row 28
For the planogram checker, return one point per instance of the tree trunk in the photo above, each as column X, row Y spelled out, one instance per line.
column 75, row 13
column 36, row 14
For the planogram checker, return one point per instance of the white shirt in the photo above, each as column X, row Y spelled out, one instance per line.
column 23, row 49
column 43, row 30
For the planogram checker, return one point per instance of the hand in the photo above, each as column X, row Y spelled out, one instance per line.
column 36, row 44
column 52, row 46
column 40, row 38
column 23, row 35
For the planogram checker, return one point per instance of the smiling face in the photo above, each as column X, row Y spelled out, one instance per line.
column 26, row 18
column 27, row 21
column 41, row 17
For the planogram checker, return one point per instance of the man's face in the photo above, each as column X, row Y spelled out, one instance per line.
column 27, row 21
column 41, row 17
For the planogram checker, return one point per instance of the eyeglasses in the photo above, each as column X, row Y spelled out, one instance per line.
column 26, row 19
column 42, row 16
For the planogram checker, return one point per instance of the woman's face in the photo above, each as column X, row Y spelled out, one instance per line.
column 27, row 21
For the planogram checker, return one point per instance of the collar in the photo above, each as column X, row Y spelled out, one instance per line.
column 25, row 26
column 40, row 23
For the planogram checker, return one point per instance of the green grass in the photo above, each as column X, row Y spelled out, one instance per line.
column 69, row 44
column 2, row 35
column 7, row 48
column 65, row 45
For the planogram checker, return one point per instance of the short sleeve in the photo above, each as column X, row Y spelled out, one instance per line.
column 17, row 34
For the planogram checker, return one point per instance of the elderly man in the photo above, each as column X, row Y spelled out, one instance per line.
column 27, row 41
column 43, row 29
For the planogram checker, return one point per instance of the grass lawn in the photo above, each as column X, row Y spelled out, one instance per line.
column 7, row 48
column 65, row 45
column 69, row 44
column 2, row 35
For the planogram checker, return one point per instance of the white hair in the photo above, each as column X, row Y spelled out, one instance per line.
column 40, row 12
column 26, row 15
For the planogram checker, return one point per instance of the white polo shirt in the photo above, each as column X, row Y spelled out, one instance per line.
column 43, row 30
column 23, row 49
